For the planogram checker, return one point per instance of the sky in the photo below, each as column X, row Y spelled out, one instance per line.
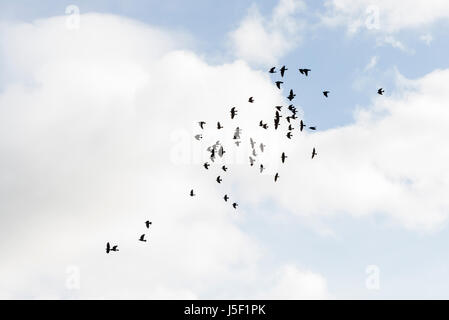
column 99, row 104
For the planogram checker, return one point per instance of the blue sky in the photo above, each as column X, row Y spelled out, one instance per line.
column 413, row 263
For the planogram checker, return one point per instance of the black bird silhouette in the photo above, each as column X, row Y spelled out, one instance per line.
column 233, row 112
column 219, row 180
column 261, row 168
column 142, row 238
column 251, row 99
column 276, row 124
column 283, row 157
column 221, row 152
column 219, row 126
column 226, row 198
column 212, row 155
column 381, row 91
column 224, row 168
column 288, row 119
column 278, row 115
column 206, row 165
column 294, row 117
column 283, row 69
column 262, row 147
column 290, row 128
column 291, row 96
column 301, row 125
column 148, row 223
column 326, row 93
column 312, row 128
column 235, row 205
column 192, row 194
column 265, row 126
column 289, row 135
column 276, row 177
column 237, row 143
column 305, row 71
column 251, row 161
column 279, row 108
column 272, row 70
column 109, row 249
column 237, row 133
column 314, row 153
column 278, row 84
column 254, row 153
column 198, row 137
column 202, row 123
column 253, row 143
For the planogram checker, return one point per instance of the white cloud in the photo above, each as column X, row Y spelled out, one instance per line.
column 392, row 16
column 391, row 162
column 86, row 135
column 372, row 63
column 294, row 284
column 426, row 38
column 392, row 41
column 263, row 41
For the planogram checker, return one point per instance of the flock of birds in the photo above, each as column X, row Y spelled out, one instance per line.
column 114, row 248
column 217, row 148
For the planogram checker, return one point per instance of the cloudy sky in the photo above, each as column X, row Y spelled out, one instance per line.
column 99, row 103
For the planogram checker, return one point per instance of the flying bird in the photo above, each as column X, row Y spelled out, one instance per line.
column 326, row 93
column 381, row 91
column 312, row 128
column 261, row 168
column 301, row 125
column 235, row 205
column 224, row 168
column 283, row 69
column 192, row 194
column 253, row 143
column 198, row 137
column 254, row 153
column 251, row 161
column 305, row 71
column 226, row 198
column 289, row 135
column 142, row 238
column 148, row 223
column 206, row 165
column 278, row 84
column 290, row 128
column 109, row 249
column 262, row 147
column 219, row 126
column 272, row 70
column 237, row 143
column 251, row 100
column 233, row 112
column 283, row 157
column 276, row 124
column 202, row 123
column 291, row 96
column 221, row 152
column 279, row 108
column 314, row 153
column 219, row 180
column 276, row 177
column 237, row 133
